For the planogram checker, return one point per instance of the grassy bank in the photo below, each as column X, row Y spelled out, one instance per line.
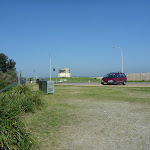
column 60, row 109
column 14, row 104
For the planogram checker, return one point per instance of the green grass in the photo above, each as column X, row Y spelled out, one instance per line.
column 3, row 83
column 46, row 124
column 78, row 79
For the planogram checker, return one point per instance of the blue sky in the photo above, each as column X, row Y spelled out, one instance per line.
column 79, row 35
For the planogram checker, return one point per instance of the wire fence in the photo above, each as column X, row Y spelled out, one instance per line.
column 9, row 86
column 19, row 81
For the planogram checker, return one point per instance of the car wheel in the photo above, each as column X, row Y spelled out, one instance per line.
column 124, row 83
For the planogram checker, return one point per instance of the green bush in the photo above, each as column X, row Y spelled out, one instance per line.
column 7, row 78
column 13, row 105
column 3, row 84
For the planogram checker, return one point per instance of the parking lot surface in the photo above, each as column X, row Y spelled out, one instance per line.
column 128, row 84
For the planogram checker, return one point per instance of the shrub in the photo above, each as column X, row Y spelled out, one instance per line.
column 3, row 84
column 13, row 105
column 7, row 78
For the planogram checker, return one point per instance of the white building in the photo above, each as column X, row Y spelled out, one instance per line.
column 64, row 72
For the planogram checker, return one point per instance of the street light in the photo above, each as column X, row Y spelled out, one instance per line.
column 50, row 65
column 121, row 55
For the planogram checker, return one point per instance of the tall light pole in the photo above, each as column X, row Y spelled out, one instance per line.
column 121, row 55
column 34, row 77
column 50, row 66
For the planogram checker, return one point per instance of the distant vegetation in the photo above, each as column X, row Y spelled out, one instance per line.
column 14, row 104
column 8, row 73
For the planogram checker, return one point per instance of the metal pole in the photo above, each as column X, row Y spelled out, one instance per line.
column 20, row 78
column 50, row 67
column 121, row 56
column 34, row 77
column 28, row 77
column 56, row 76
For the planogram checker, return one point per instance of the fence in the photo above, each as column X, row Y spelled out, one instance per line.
column 21, row 81
column 138, row 77
column 6, row 88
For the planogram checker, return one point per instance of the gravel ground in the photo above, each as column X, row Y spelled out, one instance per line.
column 108, row 125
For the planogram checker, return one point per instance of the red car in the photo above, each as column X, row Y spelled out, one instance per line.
column 114, row 78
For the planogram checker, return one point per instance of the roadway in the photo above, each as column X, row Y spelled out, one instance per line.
column 128, row 84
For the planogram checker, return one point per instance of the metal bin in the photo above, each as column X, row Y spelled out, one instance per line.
column 46, row 86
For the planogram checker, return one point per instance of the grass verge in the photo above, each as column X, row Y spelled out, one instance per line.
column 46, row 124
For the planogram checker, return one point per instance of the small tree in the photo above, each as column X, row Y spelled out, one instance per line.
column 11, row 64
column 3, row 62
column 8, row 73
column 6, row 64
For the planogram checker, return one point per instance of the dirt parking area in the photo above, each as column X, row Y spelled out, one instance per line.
column 108, row 126
column 95, row 117
column 108, row 118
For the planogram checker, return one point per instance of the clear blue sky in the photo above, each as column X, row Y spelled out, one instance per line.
column 79, row 35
